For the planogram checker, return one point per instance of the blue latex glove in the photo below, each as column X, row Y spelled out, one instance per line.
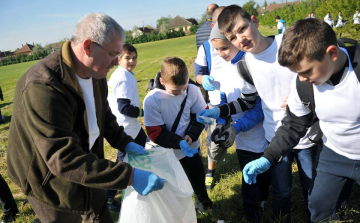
column 146, row 182
column 254, row 168
column 205, row 82
column 212, row 113
column 132, row 147
column 186, row 149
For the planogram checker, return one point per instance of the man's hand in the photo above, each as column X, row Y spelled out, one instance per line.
column 188, row 139
column 146, row 182
column 132, row 147
column 186, row 149
column 206, row 83
column 254, row 168
column 230, row 134
column 211, row 113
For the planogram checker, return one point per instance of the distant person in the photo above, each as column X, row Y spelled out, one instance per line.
column 308, row 16
column 281, row 25
column 203, row 32
column 356, row 17
column 339, row 23
column 59, row 121
column 329, row 19
column 124, row 101
column 2, row 99
column 312, row 15
column 162, row 107
column 7, row 202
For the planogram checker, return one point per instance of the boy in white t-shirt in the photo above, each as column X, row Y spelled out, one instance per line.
column 281, row 24
column 246, row 130
column 162, row 108
column 356, row 17
column 273, row 86
column 124, row 102
column 310, row 49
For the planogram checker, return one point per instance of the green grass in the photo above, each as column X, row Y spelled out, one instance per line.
column 226, row 193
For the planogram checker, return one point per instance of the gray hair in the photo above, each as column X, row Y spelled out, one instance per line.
column 97, row 27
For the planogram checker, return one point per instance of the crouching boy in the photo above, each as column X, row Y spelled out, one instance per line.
column 170, row 121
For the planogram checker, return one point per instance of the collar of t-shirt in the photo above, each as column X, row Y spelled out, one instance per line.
column 126, row 70
column 336, row 78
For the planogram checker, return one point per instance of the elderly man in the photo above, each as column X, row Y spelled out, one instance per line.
column 203, row 32
column 59, row 122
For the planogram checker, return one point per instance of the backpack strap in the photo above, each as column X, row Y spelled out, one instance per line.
column 243, row 71
column 354, row 54
column 306, row 94
column 206, row 46
column 177, row 120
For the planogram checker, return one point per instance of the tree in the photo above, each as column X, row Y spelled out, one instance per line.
column 250, row 7
column 163, row 19
column 164, row 28
column 203, row 18
column 38, row 50
column 265, row 4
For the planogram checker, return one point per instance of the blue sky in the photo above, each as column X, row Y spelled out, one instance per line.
column 47, row 21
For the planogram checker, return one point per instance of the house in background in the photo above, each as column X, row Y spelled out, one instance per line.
column 5, row 54
column 179, row 23
column 140, row 31
column 25, row 49
column 272, row 7
column 56, row 46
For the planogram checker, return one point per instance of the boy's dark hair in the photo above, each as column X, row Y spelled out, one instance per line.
column 277, row 17
column 306, row 38
column 174, row 69
column 228, row 17
column 128, row 48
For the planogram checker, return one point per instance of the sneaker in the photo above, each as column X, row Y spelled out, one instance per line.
column 114, row 205
column 2, row 118
column 8, row 218
column 209, row 181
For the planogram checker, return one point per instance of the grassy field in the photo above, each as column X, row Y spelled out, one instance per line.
column 226, row 193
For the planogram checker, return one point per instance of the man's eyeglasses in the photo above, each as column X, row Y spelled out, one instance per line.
column 112, row 55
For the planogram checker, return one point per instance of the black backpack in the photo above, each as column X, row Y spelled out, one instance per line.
column 155, row 83
column 305, row 89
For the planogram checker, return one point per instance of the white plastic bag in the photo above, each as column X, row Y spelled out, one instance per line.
column 171, row 204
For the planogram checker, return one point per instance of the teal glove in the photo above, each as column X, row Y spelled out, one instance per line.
column 186, row 149
column 146, row 182
column 212, row 113
column 132, row 147
column 206, row 83
column 254, row 168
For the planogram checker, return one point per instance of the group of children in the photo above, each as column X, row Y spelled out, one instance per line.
column 266, row 117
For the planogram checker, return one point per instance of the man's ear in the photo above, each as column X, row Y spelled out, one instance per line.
column 255, row 21
column 333, row 52
column 87, row 46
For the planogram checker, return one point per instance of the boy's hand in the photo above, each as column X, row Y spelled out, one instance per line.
column 186, row 149
column 206, row 83
column 230, row 134
column 254, row 168
column 211, row 113
column 218, row 129
column 188, row 139
column 283, row 106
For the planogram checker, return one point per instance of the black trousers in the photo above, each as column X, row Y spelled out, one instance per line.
column 194, row 170
column 6, row 199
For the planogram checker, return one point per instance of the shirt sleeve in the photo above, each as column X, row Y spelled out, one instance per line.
column 199, row 102
column 152, row 113
column 124, row 90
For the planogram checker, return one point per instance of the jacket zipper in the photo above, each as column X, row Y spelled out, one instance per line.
column 47, row 177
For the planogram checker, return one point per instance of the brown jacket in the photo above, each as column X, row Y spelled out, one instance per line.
column 48, row 150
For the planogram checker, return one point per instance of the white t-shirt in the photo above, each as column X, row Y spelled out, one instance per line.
column 356, row 18
column 273, row 83
column 338, row 109
column 254, row 139
column 281, row 26
column 217, row 64
column 162, row 108
column 88, row 91
column 122, row 84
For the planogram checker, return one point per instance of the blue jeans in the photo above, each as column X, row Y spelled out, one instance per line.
column 335, row 175
column 282, row 181
column 253, row 194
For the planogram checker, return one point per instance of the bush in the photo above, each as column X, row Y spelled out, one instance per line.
column 154, row 37
column 193, row 29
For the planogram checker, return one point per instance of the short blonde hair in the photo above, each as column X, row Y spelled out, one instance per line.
column 173, row 69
